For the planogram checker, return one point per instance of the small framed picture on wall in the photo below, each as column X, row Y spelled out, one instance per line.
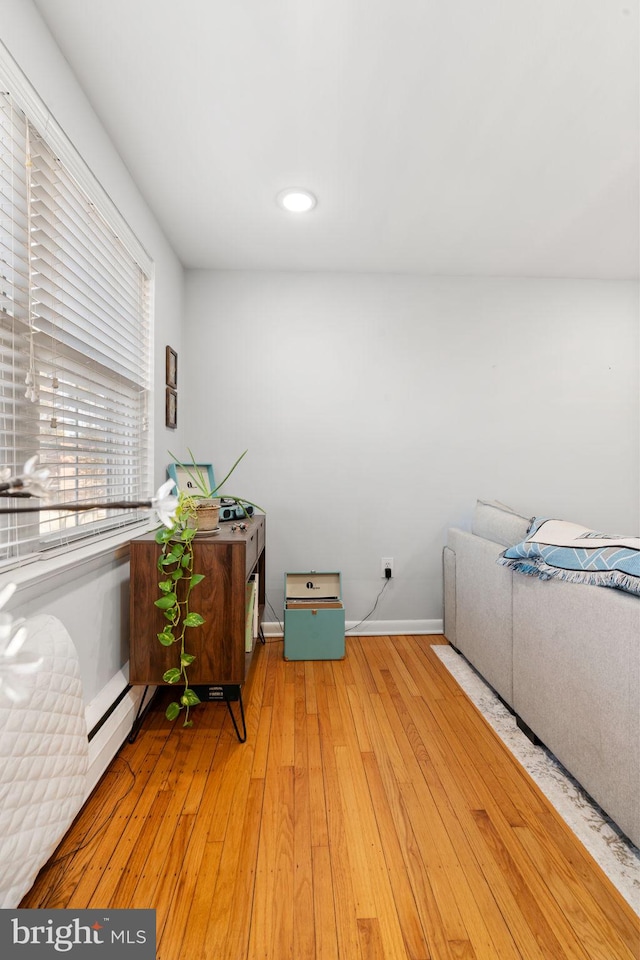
column 172, row 368
column 171, row 409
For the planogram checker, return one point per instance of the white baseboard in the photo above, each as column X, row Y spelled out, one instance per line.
column 394, row 628
column 108, row 739
column 375, row 628
column 97, row 708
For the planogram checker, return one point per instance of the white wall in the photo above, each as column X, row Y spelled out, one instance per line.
column 376, row 409
column 92, row 599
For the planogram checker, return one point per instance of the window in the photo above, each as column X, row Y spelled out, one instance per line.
column 74, row 337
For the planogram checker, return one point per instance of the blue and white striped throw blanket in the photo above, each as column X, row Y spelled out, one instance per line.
column 557, row 548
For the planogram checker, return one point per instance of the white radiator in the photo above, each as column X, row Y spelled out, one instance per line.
column 43, row 760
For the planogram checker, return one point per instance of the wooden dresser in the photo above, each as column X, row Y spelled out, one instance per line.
column 227, row 560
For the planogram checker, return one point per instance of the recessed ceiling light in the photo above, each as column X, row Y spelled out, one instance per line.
column 296, row 200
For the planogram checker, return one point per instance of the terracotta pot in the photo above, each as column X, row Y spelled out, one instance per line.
column 207, row 515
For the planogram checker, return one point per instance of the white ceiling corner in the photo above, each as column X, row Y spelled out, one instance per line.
column 442, row 137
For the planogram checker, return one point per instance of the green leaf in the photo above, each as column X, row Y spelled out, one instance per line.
column 193, row 620
column 222, row 482
column 186, row 659
column 187, row 723
column 196, row 578
column 169, row 600
column 166, row 586
column 176, row 550
column 186, row 560
column 166, row 638
column 166, row 561
column 172, row 675
column 189, row 698
column 172, row 711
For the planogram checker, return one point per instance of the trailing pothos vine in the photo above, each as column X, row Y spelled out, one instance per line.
column 175, row 563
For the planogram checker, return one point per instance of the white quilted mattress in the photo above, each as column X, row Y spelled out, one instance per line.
column 43, row 760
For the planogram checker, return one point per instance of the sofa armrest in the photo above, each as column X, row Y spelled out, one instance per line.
column 449, row 579
column 482, row 598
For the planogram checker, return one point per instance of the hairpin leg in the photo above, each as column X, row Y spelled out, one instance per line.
column 235, row 693
column 143, row 709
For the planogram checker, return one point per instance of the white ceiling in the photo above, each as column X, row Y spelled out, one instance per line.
column 455, row 137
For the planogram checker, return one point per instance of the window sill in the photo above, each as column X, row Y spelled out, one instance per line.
column 47, row 567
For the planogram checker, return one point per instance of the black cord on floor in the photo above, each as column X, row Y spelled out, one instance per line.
column 384, row 587
column 94, row 830
column 277, row 620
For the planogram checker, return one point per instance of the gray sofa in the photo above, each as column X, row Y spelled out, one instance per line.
column 565, row 657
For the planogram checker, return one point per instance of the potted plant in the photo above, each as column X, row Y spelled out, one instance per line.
column 205, row 498
column 175, row 564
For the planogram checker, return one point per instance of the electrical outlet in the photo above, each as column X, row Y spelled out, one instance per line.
column 387, row 564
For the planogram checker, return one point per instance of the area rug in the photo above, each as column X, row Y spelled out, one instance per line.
column 614, row 852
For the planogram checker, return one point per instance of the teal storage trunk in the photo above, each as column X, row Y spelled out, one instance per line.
column 313, row 616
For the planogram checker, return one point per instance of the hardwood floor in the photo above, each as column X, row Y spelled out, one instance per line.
column 371, row 814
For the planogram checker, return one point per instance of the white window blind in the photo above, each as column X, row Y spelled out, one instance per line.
column 74, row 341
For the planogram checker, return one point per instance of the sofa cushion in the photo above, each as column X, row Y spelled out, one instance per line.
column 495, row 521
